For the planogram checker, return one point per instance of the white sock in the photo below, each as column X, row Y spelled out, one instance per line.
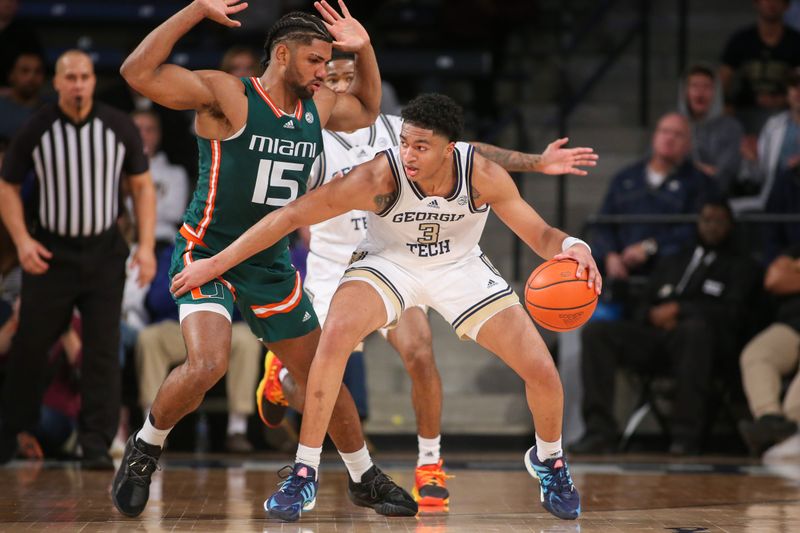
column 309, row 456
column 282, row 374
column 357, row 463
column 151, row 434
column 237, row 423
column 548, row 450
column 428, row 450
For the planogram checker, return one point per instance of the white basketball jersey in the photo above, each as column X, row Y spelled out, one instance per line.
column 418, row 230
column 335, row 239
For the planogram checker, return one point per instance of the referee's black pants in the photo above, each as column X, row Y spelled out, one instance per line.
column 87, row 273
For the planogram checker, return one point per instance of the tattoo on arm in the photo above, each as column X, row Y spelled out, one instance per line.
column 382, row 201
column 510, row 160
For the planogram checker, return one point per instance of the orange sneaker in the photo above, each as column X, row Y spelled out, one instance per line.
column 269, row 395
column 430, row 487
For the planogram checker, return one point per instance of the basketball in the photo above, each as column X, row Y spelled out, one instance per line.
column 556, row 299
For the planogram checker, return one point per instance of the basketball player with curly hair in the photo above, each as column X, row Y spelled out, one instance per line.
column 427, row 202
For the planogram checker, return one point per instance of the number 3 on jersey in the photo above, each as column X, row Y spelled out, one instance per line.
column 270, row 179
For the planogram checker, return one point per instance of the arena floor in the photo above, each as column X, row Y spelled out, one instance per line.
column 488, row 493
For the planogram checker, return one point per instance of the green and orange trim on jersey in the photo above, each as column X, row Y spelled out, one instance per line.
column 298, row 111
column 285, row 305
column 196, row 234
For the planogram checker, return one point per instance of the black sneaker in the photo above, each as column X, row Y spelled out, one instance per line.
column 131, row 488
column 378, row 491
column 765, row 432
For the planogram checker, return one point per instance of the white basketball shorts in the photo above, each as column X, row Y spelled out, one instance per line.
column 466, row 293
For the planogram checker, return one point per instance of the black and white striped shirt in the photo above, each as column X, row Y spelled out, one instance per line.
column 77, row 166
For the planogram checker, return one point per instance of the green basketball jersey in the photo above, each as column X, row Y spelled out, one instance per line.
column 262, row 168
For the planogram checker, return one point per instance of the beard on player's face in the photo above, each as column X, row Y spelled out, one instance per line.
column 303, row 89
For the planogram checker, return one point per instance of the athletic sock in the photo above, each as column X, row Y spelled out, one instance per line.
column 357, row 463
column 428, row 450
column 548, row 450
column 151, row 434
column 237, row 424
column 309, row 456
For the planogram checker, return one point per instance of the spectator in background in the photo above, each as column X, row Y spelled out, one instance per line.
column 15, row 38
column 771, row 357
column 171, row 181
column 778, row 147
column 25, row 80
column 755, row 63
column 715, row 137
column 76, row 255
column 666, row 183
column 240, row 61
column 692, row 313
column 784, row 199
column 160, row 347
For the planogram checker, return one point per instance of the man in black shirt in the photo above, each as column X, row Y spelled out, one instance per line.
column 79, row 150
column 755, row 63
column 772, row 356
column 691, row 314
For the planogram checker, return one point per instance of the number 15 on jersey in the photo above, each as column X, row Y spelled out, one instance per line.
column 270, row 180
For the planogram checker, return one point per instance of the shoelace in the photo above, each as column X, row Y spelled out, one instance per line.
column 141, row 466
column 433, row 477
column 291, row 483
column 561, row 479
column 379, row 484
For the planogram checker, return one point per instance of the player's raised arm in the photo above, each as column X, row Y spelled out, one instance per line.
column 171, row 85
column 367, row 187
column 492, row 185
column 554, row 160
column 360, row 105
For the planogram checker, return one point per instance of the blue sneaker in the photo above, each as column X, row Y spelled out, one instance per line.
column 558, row 495
column 298, row 493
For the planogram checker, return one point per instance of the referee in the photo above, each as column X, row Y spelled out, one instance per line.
column 79, row 150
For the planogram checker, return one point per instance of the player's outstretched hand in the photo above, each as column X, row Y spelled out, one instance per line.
column 558, row 160
column 348, row 33
column 192, row 276
column 220, row 10
column 580, row 253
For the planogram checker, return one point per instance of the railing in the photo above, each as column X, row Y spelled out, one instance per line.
column 570, row 97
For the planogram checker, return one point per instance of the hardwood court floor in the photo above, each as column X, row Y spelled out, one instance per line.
column 489, row 493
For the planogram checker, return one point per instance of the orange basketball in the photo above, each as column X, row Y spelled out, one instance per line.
column 556, row 299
